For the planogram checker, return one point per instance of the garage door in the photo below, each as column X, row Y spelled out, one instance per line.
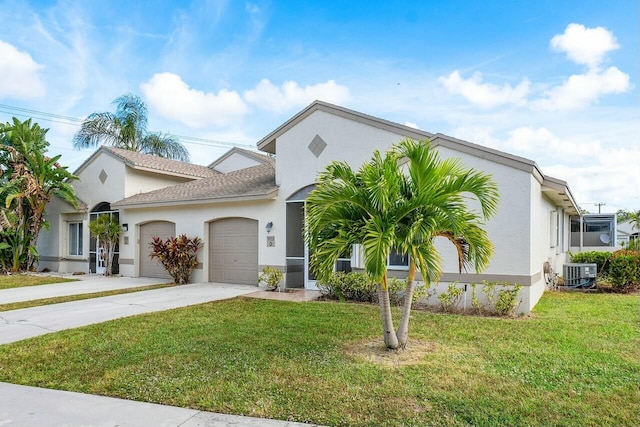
column 150, row 267
column 233, row 251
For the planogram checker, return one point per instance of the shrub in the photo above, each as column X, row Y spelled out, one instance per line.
column 359, row 287
column 178, row 255
column 507, row 301
column 450, row 299
column 623, row 271
column 593, row 257
column 270, row 278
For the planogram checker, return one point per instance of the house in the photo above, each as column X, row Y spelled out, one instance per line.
column 625, row 232
column 248, row 207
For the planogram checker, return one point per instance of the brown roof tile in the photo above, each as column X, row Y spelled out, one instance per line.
column 135, row 159
column 256, row 181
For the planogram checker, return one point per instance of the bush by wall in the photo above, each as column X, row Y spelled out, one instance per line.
column 590, row 257
column 623, row 270
column 359, row 287
column 178, row 255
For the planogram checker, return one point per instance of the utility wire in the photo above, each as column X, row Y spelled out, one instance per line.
column 73, row 121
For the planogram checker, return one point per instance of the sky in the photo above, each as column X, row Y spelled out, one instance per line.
column 552, row 81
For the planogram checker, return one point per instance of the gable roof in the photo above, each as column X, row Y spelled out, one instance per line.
column 259, row 157
column 556, row 189
column 253, row 183
column 147, row 162
column 268, row 143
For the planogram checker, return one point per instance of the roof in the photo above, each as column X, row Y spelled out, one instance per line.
column 259, row 157
column 557, row 190
column 267, row 143
column 152, row 163
column 253, row 183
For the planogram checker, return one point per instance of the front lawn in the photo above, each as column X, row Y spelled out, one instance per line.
column 573, row 363
column 20, row 280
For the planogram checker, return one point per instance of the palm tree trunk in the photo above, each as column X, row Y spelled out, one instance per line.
column 403, row 329
column 388, row 331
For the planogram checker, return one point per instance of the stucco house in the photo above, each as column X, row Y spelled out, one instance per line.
column 248, row 207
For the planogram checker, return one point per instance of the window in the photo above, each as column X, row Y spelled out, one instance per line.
column 398, row 259
column 75, row 238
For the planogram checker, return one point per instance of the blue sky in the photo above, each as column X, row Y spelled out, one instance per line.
column 552, row 81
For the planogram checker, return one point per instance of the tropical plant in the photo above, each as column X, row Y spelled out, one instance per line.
column 270, row 278
column 106, row 229
column 127, row 129
column 178, row 255
column 29, row 180
column 404, row 199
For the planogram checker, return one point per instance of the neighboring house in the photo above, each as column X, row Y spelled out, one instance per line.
column 626, row 231
column 250, row 209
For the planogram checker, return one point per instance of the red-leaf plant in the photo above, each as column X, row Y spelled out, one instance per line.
column 178, row 255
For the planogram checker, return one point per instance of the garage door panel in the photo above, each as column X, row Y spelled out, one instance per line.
column 233, row 251
column 150, row 267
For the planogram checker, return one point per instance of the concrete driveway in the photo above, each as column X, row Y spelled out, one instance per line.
column 25, row 323
column 85, row 285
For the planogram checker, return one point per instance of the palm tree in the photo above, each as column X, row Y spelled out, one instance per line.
column 127, row 129
column 404, row 200
column 106, row 230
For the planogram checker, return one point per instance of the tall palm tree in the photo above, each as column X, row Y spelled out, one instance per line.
column 404, row 199
column 127, row 128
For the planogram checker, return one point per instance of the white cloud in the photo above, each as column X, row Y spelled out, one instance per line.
column 19, row 74
column 527, row 140
column 268, row 96
column 411, row 125
column 173, row 99
column 486, row 95
column 583, row 45
column 580, row 90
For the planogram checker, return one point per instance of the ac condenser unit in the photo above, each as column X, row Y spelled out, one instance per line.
column 579, row 275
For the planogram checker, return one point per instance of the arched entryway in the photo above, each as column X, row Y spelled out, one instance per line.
column 233, row 251
column 151, row 267
column 96, row 259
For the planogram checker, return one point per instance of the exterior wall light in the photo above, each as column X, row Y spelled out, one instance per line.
column 125, row 227
column 269, row 226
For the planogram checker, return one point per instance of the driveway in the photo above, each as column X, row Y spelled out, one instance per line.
column 85, row 285
column 25, row 323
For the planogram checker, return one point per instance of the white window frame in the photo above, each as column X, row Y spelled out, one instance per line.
column 395, row 266
column 79, row 249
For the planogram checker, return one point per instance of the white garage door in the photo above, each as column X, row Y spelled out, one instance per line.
column 150, row 267
column 233, row 251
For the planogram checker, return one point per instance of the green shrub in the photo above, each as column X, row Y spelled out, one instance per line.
column 450, row 299
column 270, row 278
column 178, row 255
column 623, row 271
column 507, row 301
column 359, row 287
column 593, row 257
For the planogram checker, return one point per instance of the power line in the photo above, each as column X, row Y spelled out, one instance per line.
column 74, row 121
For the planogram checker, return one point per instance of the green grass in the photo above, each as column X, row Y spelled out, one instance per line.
column 68, row 298
column 22, row 280
column 573, row 363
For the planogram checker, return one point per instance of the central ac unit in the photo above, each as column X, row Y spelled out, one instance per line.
column 579, row 275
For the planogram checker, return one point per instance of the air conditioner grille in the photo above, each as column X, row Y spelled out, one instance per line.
column 579, row 275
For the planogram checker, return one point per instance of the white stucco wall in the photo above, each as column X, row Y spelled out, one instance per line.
column 193, row 220
column 140, row 181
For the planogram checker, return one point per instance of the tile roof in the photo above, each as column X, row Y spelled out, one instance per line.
column 160, row 164
column 253, row 182
column 260, row 157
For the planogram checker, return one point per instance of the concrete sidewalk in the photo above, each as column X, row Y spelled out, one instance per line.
column 25, row 323
column 85, row 285
column 23, row 406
